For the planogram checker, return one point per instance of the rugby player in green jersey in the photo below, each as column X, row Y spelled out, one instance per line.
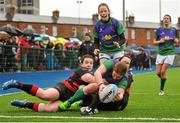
column 165, row 37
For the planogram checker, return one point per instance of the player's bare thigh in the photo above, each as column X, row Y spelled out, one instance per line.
column 49, row 94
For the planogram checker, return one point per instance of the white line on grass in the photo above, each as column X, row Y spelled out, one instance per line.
column 132, row 93
column 99, row 118
column 9, row 93
column 169, row 94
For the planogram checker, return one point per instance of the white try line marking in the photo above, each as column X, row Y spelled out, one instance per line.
column 98, row 118
column 132, row 94
column 169, row 94
column 9, row 93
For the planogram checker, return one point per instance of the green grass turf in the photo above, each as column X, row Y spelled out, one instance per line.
column 144, row 102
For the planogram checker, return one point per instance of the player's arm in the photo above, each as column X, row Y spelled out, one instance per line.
column 98, row 74
column 176, row 39
column 119, row 95
column 88, row 78
column 120, row 40
column 120, row 35
column 107, row 64
column 121, row 90
column 157, row 41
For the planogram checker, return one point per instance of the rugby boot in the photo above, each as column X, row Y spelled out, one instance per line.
column 64, row 106
column 88, row 111
column 9, row 84
column 18, row 103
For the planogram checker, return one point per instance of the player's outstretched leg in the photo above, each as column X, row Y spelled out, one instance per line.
column 28, row 88
column 26, row 104
column 10, row 84
column 18, row 103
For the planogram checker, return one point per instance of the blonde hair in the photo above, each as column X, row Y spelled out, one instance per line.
column 120, row 68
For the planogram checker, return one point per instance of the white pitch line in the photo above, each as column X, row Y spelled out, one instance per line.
column 9, row 93
column 99, row 118
column 169, row 94
column 132, row 94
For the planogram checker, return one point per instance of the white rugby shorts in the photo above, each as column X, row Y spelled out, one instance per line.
column 168, row 59
column 115, row 56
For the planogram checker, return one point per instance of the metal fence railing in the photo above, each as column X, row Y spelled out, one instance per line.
column 14, row 58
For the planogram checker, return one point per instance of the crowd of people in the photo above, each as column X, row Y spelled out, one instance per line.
column 25, row 54
column 142, row 59
column 114, row 63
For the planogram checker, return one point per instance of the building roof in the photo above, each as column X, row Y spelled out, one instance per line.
column 139, row 24
column 73, row 20
column 48, row 19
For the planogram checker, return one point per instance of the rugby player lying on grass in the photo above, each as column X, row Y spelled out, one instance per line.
column 61, row 92
column 120, row 102
column 110, row 71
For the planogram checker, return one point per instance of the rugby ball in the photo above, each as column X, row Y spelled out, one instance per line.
column 108, row 93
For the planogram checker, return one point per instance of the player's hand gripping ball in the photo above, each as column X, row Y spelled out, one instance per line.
column 108, row 93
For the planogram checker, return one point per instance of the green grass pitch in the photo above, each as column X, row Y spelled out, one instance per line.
column 144, row 104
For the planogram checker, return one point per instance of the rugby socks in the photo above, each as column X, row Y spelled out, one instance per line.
column 30, row 89
column 95, row 101
column 162, row 83
column 33, row 106
column 86, row 101
column 77, row 96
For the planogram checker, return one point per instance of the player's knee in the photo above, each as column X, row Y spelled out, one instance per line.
column 45, row 108
column 163, row 73
column 158, row 74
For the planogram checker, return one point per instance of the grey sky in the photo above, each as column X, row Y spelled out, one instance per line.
column 143, row 10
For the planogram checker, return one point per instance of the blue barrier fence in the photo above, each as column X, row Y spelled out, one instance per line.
column 42, row 79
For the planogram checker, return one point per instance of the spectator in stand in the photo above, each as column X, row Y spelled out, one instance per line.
column 87, row 47
column 49, row 56
column 74, row 53
column 3, row 38
column 141, row 56
column 59, row 56
column 42, row 53
column 10, row 54
column 147, row 64
column 23, row 51
column 1, row 56
column 31, row 57
column 71, row 55
column 37, row 55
